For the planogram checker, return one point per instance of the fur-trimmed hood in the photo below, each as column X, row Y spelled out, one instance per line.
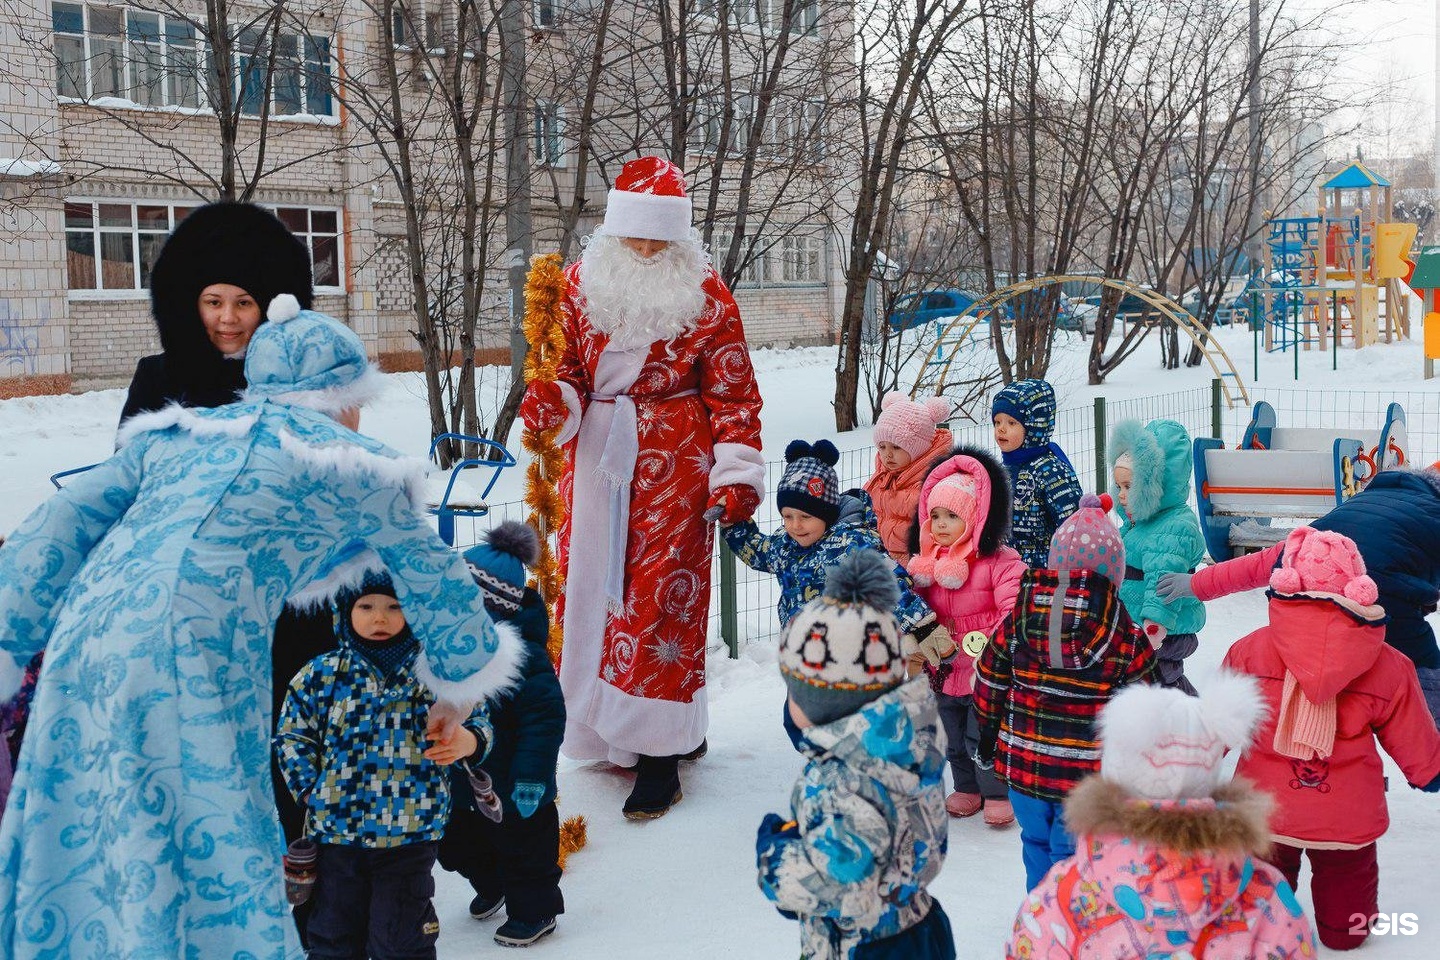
column 995, row 525
column 1236, row 821
column 1161, row 462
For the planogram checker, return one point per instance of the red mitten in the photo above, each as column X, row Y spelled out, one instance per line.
column 544, row 406
column 739, row 502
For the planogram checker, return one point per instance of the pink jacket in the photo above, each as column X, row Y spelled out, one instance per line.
column 1336, row 648
column 896, row 493
column 1127, row 897
column 990, row 582
column 1250, row 572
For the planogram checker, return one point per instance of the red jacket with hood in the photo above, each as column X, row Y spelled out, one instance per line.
column 1335, row 648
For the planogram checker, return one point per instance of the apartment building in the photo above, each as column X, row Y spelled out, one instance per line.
column 116, row 120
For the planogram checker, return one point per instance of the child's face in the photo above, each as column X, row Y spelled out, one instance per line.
column 1124, row 477
column 377, row 616
column 893, row 457
column 798, row 715
column 802, row 527
column 947, row 528
column 1009, row 432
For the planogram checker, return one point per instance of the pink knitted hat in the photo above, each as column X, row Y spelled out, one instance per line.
column 956, row 493
column 1322, row 561
column 1089, row 541
column 910, row 424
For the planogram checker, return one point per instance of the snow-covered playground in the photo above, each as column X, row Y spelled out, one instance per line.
column 684, row 885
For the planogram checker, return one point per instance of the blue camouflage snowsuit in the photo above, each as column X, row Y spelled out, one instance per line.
column 1042, row 481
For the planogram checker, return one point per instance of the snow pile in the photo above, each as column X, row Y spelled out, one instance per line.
column 14, row 167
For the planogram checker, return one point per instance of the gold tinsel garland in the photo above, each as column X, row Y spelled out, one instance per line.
column 544, row 332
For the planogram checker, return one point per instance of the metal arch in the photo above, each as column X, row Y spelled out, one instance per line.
column 1201, row 338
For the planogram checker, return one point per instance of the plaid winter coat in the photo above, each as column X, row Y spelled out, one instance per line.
column 801, row 570
column 351, row 744
column 1065, row 650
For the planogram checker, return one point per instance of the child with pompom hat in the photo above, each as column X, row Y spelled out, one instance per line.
column 1168, row 863
column 970, row 579
column 1333, row 688
column 908, row 441
column 1066, row 648
column 513, row 864
column 867, row 829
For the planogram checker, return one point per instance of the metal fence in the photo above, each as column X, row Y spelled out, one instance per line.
column 743, row 601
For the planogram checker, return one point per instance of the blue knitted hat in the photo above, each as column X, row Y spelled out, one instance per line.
column 498, row 566
column 308, row 359
column 810, row 484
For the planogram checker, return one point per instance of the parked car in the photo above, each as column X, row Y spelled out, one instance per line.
column 927, row 306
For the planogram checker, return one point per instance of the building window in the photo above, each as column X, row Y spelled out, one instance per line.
column 153, row 60
column 113, row 246
column 802, row 260
column 806, row 16
column 705, row 126
column 752, row 255
column 549, row 134
column 319, row 229
column 543, row 13
column 800, row 130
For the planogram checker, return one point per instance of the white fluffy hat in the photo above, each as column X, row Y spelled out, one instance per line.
column 1161, row 744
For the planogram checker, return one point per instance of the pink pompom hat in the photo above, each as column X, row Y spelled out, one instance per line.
column 910, row 424
column 1322, row 561
column 962, row 486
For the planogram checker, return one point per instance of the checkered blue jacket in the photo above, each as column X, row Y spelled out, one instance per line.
column 351, row 745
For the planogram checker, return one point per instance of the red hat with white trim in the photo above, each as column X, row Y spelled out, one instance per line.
column 649, row 202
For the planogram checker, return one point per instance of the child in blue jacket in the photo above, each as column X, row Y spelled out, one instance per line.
column 867, row 832
column 1043, row 484
column 821, row 525
column 352, row 747
column 1151, row 465
column 513, row 864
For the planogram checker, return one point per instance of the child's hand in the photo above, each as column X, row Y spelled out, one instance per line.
column 937, row 646
column 1155, row 632
column 461, row 744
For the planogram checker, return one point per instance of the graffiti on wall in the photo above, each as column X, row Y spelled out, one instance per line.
column 19, row 344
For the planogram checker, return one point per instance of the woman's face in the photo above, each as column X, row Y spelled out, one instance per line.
column 230, row 316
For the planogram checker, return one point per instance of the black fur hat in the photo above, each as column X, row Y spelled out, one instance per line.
column 226, row 242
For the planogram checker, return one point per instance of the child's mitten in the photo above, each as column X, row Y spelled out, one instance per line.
column 527, row 796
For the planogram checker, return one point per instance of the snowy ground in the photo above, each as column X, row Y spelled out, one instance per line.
column 684, row 885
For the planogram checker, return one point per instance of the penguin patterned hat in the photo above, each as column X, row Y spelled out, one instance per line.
column 843, row 649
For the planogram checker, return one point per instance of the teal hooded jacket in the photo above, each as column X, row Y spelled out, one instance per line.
column 1160, row 531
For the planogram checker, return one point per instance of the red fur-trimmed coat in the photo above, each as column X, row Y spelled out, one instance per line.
column 697, row 409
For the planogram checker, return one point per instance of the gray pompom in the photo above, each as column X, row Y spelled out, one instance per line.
column 864, row 576
column 516, row 539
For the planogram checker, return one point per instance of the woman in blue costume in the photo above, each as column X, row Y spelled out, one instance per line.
column 141, row 822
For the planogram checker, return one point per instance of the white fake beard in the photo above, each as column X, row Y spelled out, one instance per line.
column 637, row 301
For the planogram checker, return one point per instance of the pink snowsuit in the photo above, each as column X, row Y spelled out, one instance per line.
column 967, row 592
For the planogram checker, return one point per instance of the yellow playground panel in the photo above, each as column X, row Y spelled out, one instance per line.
column 1343, row 270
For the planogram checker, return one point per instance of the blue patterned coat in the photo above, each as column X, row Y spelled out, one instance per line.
column 1044, row 487
column 142, row 822
column 351, row 745
column 870, row 830
column 801, row 570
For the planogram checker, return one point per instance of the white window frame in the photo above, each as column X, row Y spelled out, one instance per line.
column 703, row 140
column 134, row 231
column 547, row 133
column 170, row 43
column 538, row 14
column 802, row 261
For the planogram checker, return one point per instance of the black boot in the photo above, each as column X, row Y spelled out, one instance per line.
column 657, row 788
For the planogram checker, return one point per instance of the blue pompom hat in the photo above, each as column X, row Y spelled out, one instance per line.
column 308, row 359
column 498, row 566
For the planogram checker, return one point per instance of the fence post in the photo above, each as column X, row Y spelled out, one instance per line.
column 1215, row 409
column 729, row 618
column 1101, row 474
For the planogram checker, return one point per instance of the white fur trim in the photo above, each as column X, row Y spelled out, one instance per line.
column 571, row 396
column 497, row 676
column 647, row 216
column 11, row 676
column 348, row 575
column 283, row 307
column 348, row 459
column 738, row 463
column 1233, row 707
column 186, row 419
column 352, row 396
